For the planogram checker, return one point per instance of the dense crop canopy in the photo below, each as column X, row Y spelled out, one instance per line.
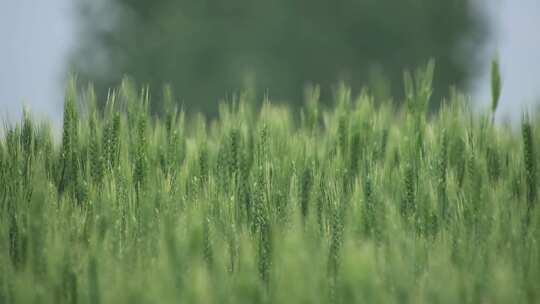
column 358, row 203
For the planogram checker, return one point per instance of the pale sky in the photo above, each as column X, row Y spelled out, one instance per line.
column 517, row 43
column 36, row 37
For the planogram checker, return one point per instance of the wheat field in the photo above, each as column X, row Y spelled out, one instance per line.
column 359, row 202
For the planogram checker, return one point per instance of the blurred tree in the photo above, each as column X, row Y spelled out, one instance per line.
column 209, row 48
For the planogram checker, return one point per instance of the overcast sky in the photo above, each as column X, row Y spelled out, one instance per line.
column 517, row 42
column 36, row 36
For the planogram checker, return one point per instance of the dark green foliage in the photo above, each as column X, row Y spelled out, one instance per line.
column 234, row 153
column 27, row 135
column 442, row 168
column 260, row 216
column 96, row 158
column 336, row 240
column 264, row 252
column 244, row 197
column 418, row 89
column 312, row 110
column 495, row 86
column 384, row 143
column 18, row 242
column 140, row 170
column 473, row 180
column 3, row 165
column 343, row 135
column 457, row 159
column 355, row 152
column 207, row 50
column 69, row 154
column 262, row 145
column 173, row 256
column 369, row 215
column 69, row 286
column 93, row 283
column 529, row 161
column 174, row 126
column 321, row 201
column 493, row 163
column 408, row 207
column 305, row 190
column 203, row 163
column 208, row 254
column 114, row 141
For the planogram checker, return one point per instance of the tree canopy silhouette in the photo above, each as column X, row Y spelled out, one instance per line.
column 209, row 48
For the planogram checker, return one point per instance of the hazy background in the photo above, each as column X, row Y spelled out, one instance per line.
column 210, row 50
column 517, row 43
